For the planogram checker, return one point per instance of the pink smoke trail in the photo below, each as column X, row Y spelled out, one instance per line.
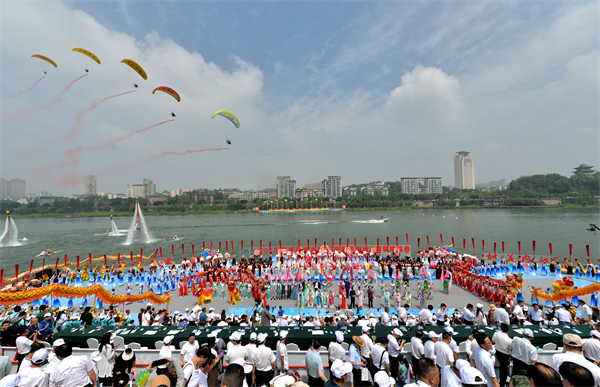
column 72, row 155
column 46, row 105
column 116, row 140
column 74, row 131
column 23, row 91
column 187, row 152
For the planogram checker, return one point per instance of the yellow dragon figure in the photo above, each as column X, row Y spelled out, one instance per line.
column 234, row 293
column 511, row 284
column 519, row 281
column 102, row 271
column 566, row 283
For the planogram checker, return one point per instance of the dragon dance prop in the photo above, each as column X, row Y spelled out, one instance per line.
column 234, row 293
column 566, row 293
column 75, row 292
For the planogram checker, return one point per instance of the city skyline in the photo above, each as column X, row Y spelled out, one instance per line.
column 328, row 93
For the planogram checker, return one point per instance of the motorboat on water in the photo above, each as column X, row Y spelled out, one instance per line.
column 23, row 239
column 384, row 220
column 45, row 253
column 176, row 238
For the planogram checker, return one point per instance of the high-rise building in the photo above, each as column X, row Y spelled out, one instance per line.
column 15, row 189
column 286, row 187
column 464, row 171
column 89, row 185
column 332, row 187
column 421, row 185
column 137, row 190
column 3, row 189
column 149, row 188
column 129, row 192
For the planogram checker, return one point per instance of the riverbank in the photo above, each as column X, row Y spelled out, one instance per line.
column 151, row 212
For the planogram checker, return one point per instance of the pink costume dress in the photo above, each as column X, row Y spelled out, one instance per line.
column 310, row 298
column 359, row 294
column 331, row 299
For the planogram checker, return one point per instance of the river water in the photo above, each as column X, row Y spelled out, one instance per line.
column 81, row 236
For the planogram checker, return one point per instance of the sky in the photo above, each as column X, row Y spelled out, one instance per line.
column 366, row 90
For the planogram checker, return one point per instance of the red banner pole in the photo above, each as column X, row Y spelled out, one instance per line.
column 232, row 248
column 182, row 250
column 533, row 249
column 131, row 256
column 17, row 272
column 427, row 240
column 77, row 262
column 502, row 247
column 473, row 241
column 90, row 256
column 587, row 248
column 377, row 242
column 261, row 245
column 406, row 238
column 418, row 244
column 340, row 243
column 1, row 275
column 105, row 261
column 519, row 248
column 464, row 245
column 366, row 244
column 142, row 254
column 280, row 244
column 494, row 248
column 483, row 246
column 570, row 251
column 173, row 251
column 347, row 242
column 56, row 264
column 550, row 245
column 453, row 242
column 65, row 259
column 226, row 246
column 441, row 240
column 119, row 259
column 355, row 243
column 194, row 251
column 30, row 268
column 160, row 249
column 219, row 245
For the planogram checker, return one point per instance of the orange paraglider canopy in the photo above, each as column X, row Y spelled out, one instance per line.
column 169, row 91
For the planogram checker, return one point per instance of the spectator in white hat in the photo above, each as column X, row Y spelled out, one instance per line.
column 523, row 353
column 250, row 348
column 450, row 375
column 382, row 379
column 591, row 348
column 429, row 347
column 339, row 373
column 335, row 349
column 13, row 381
column 236, row 350
column 264, row 362
column 470, row 376
column 394, row 348
column 35, row 373
column 282, row 354
column 167, row 349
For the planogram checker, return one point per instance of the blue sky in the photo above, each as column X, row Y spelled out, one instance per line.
column 367, row 90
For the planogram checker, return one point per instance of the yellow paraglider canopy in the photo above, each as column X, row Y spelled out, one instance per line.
column 136, row 67
column 87, row 53
column 42, row 57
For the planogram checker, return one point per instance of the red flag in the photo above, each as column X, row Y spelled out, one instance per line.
column 418, row 243
column 252, row 246
column 211, row 244
column 533, row 247
column 464, row 245
column 354, row 242
column 30, row 268
column 131, row 256
column 142, row 254
column 519, row 247
column 453, row 242
column 441, row 240
column 182, row 250
column 105, row 261
column 406, row 238
column 173, row 251
column 194, row 253
column 90, row 259
column 56, row 264
column 226, row 246
column 502, row 247
column 160, row 248
column 78, row 262
column 570, row 251
column 377, row 242
column 17, row 272
column 259, row 245
column 587, row 248
column 232, row 248
column 483, row 245
column 220, row 245
column 366, row 244
column 119, row 259
column 494, row 247
column 203, row 245
column 65, row 259
column 280, row 244
column 427, row 240
column 550, row 245
column 1, row 275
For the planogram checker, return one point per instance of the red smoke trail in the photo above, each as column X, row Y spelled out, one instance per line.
column 81, row 115
column 47, row 105
column 116, row 140
column 187, row 152
column 72, row 155
column 23, row 91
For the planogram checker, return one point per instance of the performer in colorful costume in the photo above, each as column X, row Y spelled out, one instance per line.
column 234, row 293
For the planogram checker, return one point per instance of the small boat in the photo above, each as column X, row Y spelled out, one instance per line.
column 23, row 239
column 384, row 219
column 44, row 253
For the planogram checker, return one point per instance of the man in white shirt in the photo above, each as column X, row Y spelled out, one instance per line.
column 502, row 343
column 523, row 352
column 482, row 359
column 468, row 315
column 394, row 349
column 586, row 313
column 264, row 362
column 425, row 316
column 518, row 316
column 366, row 350
column 501, row 315
column 235, row 351
column 536, row 315
column 73, row 371
column 429, row 347
column 188, row 350
column 146, row 317
column 443, row 354
column 250, row 348
column 36, row 375
column 563, row 316
column 282, row 354
column 450, row 376
column 384, row 318
column 591, row 348
column 335, row 349
column 573, row 352
column 427, row 374
column 417, row 350
column 441, row 315
column 381, row 357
